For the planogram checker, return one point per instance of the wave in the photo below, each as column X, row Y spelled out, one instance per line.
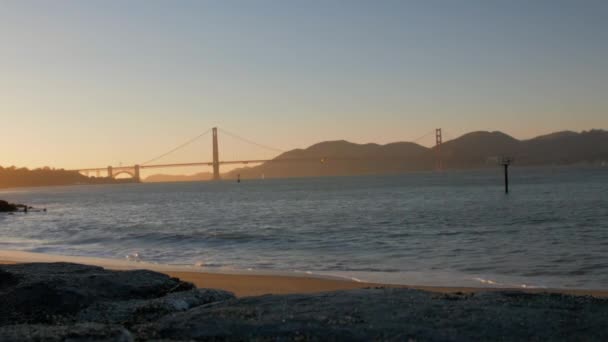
column 495, row 283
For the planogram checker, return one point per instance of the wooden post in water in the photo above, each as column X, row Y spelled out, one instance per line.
column 506, row 178
column 506, row 161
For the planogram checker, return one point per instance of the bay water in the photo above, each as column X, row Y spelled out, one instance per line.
column 454, row 228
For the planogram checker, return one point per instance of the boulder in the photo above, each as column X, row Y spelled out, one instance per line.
column 140, row 311
column 54, row 292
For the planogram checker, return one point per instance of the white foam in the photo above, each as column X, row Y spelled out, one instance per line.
column 507, row 285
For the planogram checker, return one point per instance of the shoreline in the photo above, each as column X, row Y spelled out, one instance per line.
column 255, row 283
column 583, row 165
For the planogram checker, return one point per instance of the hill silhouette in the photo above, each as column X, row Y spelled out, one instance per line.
column 342, row 158
column 473, row 150
column 23, row 177
column 478, row 149
column 337, row 158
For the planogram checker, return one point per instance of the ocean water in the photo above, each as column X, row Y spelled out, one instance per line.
column 449, row 228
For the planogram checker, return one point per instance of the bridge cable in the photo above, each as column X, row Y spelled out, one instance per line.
column 251, row 142
column 423, row 136
column 178, row 147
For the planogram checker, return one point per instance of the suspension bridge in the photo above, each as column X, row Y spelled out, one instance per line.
column 134, row 171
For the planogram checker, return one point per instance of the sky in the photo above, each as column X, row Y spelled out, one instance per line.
column 96, row 83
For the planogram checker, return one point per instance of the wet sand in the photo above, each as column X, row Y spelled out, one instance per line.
column 253, row 284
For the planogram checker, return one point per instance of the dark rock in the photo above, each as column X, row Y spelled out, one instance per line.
column 51, row 292
column 390, row 314
column 6, row 207
column 72, row 333
column 7, row 279
column 140, row 311
column 62, row 301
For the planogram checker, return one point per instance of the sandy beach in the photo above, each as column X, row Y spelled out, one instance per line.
column 256, row 283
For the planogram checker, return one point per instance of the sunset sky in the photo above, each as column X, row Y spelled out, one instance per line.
column 93, row 83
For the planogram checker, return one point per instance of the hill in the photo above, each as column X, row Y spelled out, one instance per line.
column 473, row 150
column 478, row 149
column 23, row 177
column 341, row 158
column 564, row 148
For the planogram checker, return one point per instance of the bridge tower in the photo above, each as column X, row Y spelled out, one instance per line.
column 216, row 157
column 438, row 142
column 110, row 173
column 136, row 174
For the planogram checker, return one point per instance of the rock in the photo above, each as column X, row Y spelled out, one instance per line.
column 54, row 292
column 6, row 207
column 389, row 314
column 60, row 301
column 72, row 333
column 140, row 311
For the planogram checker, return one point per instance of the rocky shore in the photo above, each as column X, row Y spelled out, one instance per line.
column 6, row 207
column 64, row 301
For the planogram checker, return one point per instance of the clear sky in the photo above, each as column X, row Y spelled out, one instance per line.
column 93, row 83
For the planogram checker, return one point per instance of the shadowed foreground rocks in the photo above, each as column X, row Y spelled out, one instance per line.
column 58, row 302
column 52, row 292
column 73, row 333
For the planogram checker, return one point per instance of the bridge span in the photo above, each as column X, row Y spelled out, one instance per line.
column 134, row 170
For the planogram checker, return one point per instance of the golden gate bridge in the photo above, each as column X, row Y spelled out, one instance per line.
column 134, row 171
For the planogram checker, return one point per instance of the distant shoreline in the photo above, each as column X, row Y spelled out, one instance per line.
column 231, row 177
column 228, row 176
column 62, row 185
column 245, row 284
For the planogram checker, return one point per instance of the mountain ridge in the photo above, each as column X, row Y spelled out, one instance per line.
column 476, row 149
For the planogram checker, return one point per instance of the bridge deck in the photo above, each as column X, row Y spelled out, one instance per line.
column 228, row 162
column 253, row 161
